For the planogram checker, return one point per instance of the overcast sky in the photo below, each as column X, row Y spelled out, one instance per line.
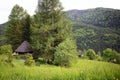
column 30, row 5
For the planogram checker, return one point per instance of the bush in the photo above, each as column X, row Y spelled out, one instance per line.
column 91, row 54
column 66, row 53
column 85, row 57
column 3, row 58
column 118, row 58
column 29, row 60
column 99, row 58
column 109, row 55
column 6, row 50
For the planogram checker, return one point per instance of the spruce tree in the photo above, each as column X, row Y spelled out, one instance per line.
column 26, row 28
column 50, row 28
column 50, row 11
column 17, row 26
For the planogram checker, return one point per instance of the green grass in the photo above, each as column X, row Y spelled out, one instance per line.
column 82, row 70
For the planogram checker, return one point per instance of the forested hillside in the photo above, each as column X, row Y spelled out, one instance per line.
column 102, row 17
column 97, row 38
column 96, row 28
column 2, row 29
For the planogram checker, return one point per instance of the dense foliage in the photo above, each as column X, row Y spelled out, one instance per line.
column 6, row 53
column 66, row 54
column 29, row 60
column 89, row 36
column 90, row 53
column 102, row 17
column 2, row 36
column 18, row 28
column 109, row 54
column 97, row 37
column 6, row 49
column 50, row 28
column 2, row 28
column 118, row 58
column 96, row 28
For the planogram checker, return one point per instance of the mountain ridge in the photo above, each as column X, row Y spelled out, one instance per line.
column 104, row 17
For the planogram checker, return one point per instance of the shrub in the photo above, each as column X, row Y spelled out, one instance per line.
column 109, row 55
column 85, row 57
column 91, row 54
column 29, row 60
column 3, row 58
column 66, row 53
column 99, row 58
column 6, row 50
column 118, row 58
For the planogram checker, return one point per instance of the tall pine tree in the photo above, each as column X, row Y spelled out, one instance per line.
column 50, row 11
column 18, row 27
column 50, row 27
column 26, row 28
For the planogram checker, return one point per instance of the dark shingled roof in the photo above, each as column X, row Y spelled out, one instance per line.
column 24, row 48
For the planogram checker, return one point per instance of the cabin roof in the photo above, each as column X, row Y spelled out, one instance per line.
column 24, row 48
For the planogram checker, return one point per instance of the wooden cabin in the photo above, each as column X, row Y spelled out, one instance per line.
column 24, row 48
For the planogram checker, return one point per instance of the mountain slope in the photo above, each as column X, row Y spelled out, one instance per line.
column 2, row 28
column 102, row 17
column 96, row 28
column 2, row 38
column 97, row 38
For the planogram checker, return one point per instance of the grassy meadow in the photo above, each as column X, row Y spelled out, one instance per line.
column 82, row 70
